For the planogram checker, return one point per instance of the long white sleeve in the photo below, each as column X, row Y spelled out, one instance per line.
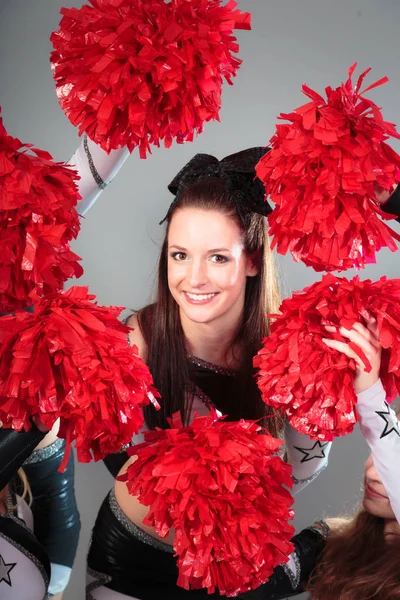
column 380, row 427
column 96, row 169
column 307, row 457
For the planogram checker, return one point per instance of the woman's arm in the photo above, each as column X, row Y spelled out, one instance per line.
column 291, row 578
column 96, row 169
column 378, row 421
column 307, row 457
column 114, row 462
column 15, row 448
column 381, row 429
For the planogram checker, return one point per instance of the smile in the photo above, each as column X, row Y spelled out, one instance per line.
column 198, row 298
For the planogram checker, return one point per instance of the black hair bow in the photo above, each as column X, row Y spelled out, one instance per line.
column 237, row 170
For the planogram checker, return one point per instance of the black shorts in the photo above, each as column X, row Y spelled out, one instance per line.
column 127, row 560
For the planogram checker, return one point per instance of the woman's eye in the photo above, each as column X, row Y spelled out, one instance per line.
column 179, row 256
column 218, row 258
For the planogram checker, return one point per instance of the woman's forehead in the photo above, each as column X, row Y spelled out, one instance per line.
column 193, row 227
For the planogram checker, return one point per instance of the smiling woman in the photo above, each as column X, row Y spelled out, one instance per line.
column 216, row 286
column 207, row 283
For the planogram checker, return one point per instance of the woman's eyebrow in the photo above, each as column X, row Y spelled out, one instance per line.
column 182, row 249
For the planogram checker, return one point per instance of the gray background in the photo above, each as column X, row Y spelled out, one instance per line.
column 292, row 42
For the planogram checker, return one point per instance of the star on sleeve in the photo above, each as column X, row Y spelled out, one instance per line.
column 316, row 451
column 391, row 422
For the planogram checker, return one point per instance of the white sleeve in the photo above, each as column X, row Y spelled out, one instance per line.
column 308, row 457
column 380, row 427
column 96, row 169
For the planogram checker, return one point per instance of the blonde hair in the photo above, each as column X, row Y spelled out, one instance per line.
column 26, row 492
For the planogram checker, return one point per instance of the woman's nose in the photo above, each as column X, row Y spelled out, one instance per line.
column 197, row 276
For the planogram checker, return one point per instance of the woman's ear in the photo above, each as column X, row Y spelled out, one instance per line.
column 253, row 264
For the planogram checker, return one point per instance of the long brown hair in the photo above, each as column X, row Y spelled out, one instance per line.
column 357, row 563
column 161, row 326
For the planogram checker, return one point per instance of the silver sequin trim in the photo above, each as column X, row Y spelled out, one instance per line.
column 294, row 578
column 311, row 478
column 211, row 366
column 99, row 580
column 133, row 529
column 31, row 557
column 198, row 393
column 12, row 511
column 45, row 453
column 102, row 184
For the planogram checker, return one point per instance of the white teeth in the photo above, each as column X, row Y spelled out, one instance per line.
column 200, row 296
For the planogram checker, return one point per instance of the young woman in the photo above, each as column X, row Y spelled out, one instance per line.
column 362, row 555
column 55, row 514
column 24, row 564
column 128, row 560
column 216, row 284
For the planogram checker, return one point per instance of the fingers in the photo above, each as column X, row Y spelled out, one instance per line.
column 342, row 347
column 368, row 334
column 360, row 336
column 372, row 325
column 382, row 195
column 367, row 337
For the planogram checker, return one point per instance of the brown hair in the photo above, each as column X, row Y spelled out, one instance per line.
column 161, row 326
column 357, row 563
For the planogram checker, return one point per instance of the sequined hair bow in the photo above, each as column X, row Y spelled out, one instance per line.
column 237, row 170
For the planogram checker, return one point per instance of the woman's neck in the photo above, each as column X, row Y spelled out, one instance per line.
column 213, row 341
column 391, row 530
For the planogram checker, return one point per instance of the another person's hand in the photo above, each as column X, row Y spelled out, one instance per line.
column 367, row 339
column 382, row 195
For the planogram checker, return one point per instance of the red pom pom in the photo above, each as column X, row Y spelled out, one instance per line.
column 38, row 219
column 311, row 382
column 135, row 72
column 219, row 485
column 321, row 174
column 71, row 360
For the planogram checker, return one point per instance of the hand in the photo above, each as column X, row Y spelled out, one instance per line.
column 382, row 195
column 367, row 339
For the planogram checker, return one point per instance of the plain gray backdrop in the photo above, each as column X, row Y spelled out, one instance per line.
column 292, row 42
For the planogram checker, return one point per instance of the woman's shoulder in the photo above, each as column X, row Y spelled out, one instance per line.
column 141, row 323
column 136, row 337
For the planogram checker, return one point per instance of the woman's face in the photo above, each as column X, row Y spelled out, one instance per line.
column 207, row 265
column 376, row 500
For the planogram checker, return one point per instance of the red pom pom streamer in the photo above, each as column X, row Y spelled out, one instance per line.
column 311, row 382
column 219, row 485
column 38, row 219
column 71, row 360
column 321, row 173
column 137, row 72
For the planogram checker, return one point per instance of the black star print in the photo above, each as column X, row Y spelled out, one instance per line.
column 391, row 423
column 317, row 451
column 5, row 570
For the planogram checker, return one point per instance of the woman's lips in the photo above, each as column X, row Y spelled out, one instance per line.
column 199, row 298
column 371, row 493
